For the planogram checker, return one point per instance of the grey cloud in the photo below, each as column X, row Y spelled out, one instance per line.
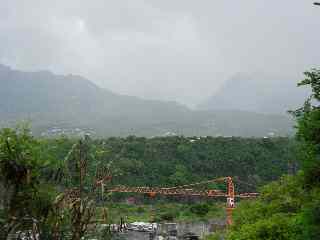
column 176, row 50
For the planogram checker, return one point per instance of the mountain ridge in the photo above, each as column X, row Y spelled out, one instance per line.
column 67, row 102
column 258, row 92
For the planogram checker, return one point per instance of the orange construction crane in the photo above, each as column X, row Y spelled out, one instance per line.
column 188, row 190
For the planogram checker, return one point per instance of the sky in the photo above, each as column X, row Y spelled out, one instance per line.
column 180, row 50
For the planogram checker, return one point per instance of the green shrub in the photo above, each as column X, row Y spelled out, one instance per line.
column 167, row 216
column 141, row 209
column 200, row 209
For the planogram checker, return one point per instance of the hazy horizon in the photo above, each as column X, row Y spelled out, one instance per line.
column 168, row 50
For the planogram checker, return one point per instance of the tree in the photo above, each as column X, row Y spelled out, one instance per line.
column 25, row 204
column 275, row 215
column 308, row 125
column 180, row 176
column 84, row 168
column 289, row 208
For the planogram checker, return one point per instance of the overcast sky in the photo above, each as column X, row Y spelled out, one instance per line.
column 165, row 49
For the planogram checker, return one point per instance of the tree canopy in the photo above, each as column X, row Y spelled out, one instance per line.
column 289, row 208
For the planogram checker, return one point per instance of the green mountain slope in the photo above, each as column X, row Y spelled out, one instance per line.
column 57, row 104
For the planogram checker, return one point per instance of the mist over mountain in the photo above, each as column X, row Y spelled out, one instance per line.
column 58, row 103
column 260, row 93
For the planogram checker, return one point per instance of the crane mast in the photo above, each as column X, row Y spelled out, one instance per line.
column 230, row 200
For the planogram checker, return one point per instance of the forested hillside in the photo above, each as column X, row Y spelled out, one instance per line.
column 179, row 160
column 72, row 105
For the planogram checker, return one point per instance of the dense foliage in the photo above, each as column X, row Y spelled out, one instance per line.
column 179, row 160
column 40, row 196
column 26, row 198
column 289, row 208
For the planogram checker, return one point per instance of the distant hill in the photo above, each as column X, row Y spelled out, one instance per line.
column 257, row 93
column 56, row 104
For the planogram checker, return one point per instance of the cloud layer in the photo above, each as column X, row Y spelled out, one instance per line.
column 170, row 49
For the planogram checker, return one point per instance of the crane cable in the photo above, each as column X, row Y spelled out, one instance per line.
column 199, row 183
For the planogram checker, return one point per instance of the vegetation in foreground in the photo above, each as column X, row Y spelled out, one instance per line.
column 289, row 208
